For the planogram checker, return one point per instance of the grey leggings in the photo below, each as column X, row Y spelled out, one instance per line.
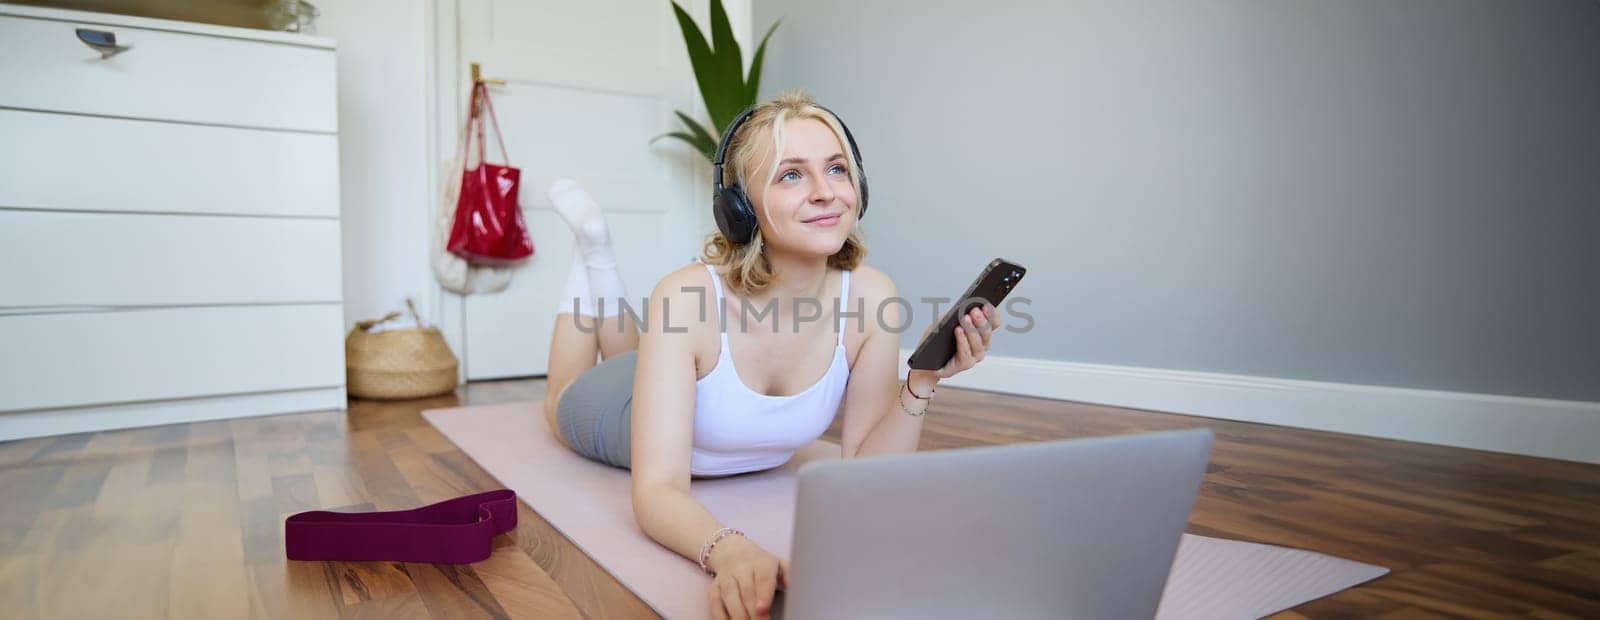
column 596, row 412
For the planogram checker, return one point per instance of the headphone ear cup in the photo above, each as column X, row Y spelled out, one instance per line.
column 747, row 223
column 735, row 218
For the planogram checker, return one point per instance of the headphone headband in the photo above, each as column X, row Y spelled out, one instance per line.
column 722, row 147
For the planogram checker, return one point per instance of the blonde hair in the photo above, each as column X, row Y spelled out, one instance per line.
column 749, row 269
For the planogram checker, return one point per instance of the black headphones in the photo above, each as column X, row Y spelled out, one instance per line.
column 736, row 217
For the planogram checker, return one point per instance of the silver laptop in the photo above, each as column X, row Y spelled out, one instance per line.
column 1083, row 528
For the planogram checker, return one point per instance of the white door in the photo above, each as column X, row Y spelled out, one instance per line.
column 588, row 85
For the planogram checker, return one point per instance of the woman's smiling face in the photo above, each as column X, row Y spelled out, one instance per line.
column 812, row 181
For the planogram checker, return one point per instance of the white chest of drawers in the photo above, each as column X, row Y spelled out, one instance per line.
column 169, row 224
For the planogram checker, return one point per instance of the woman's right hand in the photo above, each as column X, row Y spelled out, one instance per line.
column 746, row 578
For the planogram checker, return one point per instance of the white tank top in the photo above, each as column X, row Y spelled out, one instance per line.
column 737, row 429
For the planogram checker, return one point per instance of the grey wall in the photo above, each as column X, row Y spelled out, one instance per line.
column 1398, row 193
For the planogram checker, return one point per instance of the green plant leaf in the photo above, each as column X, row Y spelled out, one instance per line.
column 718, row 71
column 699, row 132
column 712, row 88
column 709, row 150
column 753, row 87
column 729, row 63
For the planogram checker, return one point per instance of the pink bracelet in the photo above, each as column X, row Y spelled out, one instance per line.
column 705, row 550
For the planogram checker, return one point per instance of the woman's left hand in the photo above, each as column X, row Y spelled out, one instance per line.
column 972, row 335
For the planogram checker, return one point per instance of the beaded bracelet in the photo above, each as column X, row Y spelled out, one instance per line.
column 906, row 387
column 705, row 550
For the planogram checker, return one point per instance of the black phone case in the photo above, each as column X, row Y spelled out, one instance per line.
column 992, row 285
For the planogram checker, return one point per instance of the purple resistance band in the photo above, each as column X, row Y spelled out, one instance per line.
column 454, row 531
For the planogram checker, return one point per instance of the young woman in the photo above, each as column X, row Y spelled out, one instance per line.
column 741, row 375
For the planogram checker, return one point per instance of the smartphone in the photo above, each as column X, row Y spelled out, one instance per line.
column 992, row 285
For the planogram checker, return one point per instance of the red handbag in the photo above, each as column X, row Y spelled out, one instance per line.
column 488, row 228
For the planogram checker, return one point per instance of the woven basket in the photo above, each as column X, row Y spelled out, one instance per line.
column 398, row 363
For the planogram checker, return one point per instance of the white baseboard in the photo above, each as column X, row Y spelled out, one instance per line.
column 1558, row 429
column 42, row 422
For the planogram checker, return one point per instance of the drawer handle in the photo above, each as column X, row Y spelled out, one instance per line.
column 102, row 41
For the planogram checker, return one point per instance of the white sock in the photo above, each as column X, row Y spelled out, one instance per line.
column 607, row 290
column 577, row 287
column 593, row 243
column 583, row 216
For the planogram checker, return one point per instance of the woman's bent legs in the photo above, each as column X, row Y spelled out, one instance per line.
column 592, row 280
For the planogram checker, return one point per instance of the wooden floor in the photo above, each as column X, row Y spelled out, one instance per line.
column 187, row 520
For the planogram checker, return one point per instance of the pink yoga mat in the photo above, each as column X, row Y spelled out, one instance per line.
column 590, row 503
